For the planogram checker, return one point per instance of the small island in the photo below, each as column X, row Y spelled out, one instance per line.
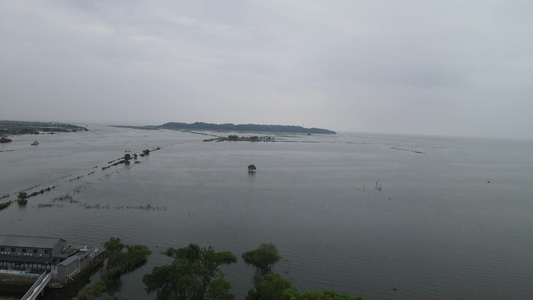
column 201, row 126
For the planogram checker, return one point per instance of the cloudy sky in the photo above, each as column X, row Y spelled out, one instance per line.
column 459, row 68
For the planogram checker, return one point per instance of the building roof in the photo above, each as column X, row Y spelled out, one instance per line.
column 29, row 241
column 69, row 260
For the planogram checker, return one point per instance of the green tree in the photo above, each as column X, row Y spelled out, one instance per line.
column 269, row 287
column 22, row 196
column 251, row 168
column 122, row 262
column 194, row 274
column 293, row 294
column 113, row 248
column 263, row 258
column 274, row 287
column 127, row 157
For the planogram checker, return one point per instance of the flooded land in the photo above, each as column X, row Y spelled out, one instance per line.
column 377, row 216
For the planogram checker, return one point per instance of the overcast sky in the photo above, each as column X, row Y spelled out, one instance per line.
column 459, row 68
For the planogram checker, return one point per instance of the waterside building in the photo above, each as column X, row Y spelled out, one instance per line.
column 22, row 256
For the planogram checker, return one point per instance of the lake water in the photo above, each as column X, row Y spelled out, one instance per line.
column 435, row 218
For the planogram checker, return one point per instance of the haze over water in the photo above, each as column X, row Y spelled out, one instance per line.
column 436, row 218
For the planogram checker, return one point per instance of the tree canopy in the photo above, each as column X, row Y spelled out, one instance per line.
column 194, row 274
column 269, row 287
column 22, row 196
column 263, row 258
column 274, row 287
column 113, row 248
column 293, row 294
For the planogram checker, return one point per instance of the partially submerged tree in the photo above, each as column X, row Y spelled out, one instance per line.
column 263, row 258
column 293, row 294
column 194, row 274
column 113, row 249
column 22, row 199
column 22, row 196
column 274, row 287
column 251, row 168
column 122, row 259
column 270, row 286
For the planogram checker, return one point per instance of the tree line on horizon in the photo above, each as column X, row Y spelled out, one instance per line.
column 245, row 127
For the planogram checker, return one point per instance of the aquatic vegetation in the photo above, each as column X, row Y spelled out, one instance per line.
column 407, row 150
column 24, row 195
column 5, row 205
column 66, row 198
column 378, row 186
column 107, row 206
column 95, row 206
column 30, row 188
column 77, row 178
column 48, row 205
column 147, row 207
column 119, row 162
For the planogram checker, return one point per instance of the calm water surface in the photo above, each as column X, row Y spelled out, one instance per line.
column 436, row 218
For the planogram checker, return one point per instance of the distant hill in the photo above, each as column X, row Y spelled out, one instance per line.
column 245, row 127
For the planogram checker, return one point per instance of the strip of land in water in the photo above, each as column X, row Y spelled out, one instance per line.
column 232, row 127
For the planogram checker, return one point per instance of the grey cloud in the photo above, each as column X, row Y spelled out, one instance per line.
column 421, row 67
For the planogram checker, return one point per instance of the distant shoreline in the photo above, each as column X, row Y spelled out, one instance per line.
column 232, row 127
column 24, row 127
